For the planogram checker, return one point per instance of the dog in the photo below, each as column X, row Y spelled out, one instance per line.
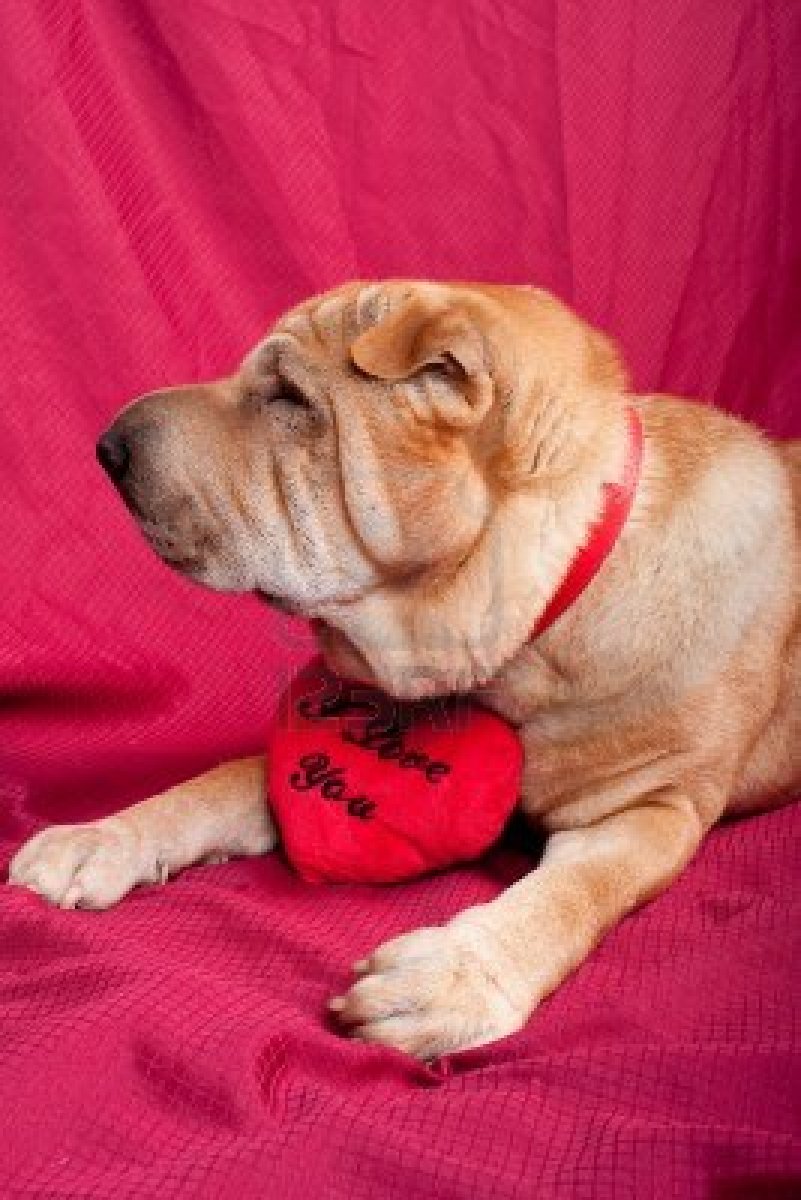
column 414, row 467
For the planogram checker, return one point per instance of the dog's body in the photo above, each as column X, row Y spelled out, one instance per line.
column 414, row 466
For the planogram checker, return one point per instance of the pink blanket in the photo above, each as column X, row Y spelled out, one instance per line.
column 173, row 175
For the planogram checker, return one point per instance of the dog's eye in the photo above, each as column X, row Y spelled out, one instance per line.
column 290, row 393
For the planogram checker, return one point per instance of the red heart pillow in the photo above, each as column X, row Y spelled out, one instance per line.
column 369, row 789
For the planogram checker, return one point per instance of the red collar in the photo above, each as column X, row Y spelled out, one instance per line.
column 602, row 534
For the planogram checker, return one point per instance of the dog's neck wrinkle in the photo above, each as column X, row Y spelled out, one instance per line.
column 547, row 435
column 454, row 634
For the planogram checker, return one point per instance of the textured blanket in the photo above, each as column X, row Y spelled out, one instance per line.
column 173, row 175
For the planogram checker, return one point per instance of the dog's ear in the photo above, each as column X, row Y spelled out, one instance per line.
column 417, row 336
column 437, row 341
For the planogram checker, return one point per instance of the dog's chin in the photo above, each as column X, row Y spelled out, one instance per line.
column 204, row 570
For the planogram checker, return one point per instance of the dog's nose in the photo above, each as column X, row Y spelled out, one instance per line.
column 114, row 454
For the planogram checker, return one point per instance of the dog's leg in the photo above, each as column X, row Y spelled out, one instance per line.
column 220, row 813
column 480, row 976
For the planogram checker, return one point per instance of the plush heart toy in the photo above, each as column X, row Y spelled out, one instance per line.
column 367, row 789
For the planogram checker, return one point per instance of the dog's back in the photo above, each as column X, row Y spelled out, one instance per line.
column 773, row 768
column 791, row 451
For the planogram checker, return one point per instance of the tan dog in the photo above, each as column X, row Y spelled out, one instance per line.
column 414, row 465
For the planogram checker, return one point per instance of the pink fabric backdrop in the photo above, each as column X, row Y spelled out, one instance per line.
column 172, row 176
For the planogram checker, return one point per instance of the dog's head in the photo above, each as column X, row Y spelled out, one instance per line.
column 359, row 450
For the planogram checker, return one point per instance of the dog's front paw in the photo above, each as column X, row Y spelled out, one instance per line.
column 435, row 991
column 81, row 866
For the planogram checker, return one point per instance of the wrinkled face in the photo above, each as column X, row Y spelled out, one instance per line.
column 357, row 448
